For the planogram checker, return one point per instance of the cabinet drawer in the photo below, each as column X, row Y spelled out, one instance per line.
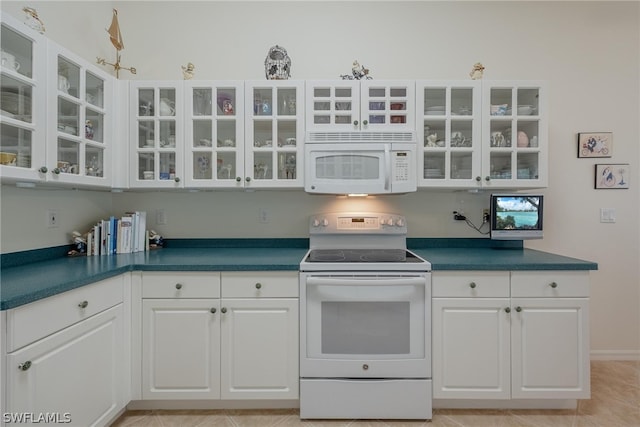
column 36, row 320
column 257, row 284
column 465, row 284
column 183, row 284
column 552, row 284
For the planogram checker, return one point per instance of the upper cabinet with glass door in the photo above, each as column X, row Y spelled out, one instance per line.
column 360, row 105
column 274, row 132
column 448, row 133
column 22, row 102
column 514, row 132
column 156, row 134
column 80, row 120
column 214, row 134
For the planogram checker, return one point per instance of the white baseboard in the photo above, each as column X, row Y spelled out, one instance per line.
column 615, row 354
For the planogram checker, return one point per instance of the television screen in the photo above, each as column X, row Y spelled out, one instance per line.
column 516, row 216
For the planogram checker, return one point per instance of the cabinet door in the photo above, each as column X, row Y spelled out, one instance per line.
column 79, row 134
column 550, row 348
column 214, row 134
column 332, row 105
column 259, row 349
column 448, row 115
column 76, row 374
column 156, row 138
column 274, row 129
column 22, row 102
column 387, row 105
column 180, row 349
column 471, row 348
column 514, row 134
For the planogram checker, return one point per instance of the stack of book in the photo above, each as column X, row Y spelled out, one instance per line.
column 119, row 235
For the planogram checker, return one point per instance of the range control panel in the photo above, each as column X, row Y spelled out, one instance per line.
column 378, row 223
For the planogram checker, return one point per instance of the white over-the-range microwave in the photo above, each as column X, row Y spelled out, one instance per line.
column 360, row 162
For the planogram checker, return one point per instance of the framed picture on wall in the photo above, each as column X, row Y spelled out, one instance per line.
column 595, row 144
column 612, row 176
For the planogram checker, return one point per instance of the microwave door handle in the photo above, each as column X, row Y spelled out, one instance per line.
column 368, row 281
column 387, row 163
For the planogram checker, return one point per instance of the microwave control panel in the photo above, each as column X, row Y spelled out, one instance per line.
column 401, row 167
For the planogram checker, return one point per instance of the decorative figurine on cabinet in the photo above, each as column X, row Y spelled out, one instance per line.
column 188, row 71
column 277, row 64
column 358, row 72
column 477, row 71
column 155, row 240
column 32, row 20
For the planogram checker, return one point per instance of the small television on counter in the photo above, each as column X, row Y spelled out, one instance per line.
column 516, row 216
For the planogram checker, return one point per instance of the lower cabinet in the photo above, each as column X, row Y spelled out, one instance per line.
column 511, row 335
column 229, row 335
column 74, row 376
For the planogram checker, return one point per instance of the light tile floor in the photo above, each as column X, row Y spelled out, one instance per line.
column 615, row 402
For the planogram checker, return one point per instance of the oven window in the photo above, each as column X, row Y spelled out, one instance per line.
column 359, row 327
column 347, row 166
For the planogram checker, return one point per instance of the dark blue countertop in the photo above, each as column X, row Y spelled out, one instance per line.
column 29, row 276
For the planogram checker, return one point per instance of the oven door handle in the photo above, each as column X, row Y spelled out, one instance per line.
column 367, row 281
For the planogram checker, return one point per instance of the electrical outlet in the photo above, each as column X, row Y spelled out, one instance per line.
column 486, row 215
column 53, row 218
column 263, row 215
column 161, row 217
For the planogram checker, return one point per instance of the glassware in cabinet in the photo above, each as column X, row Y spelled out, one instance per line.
column 274, row 134
column 80, row 137
column 448, row 132
column 22, row 103
column 214, row 133
column 157, row 134
column 516, row 134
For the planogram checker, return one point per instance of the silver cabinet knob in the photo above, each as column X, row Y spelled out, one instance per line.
column 365, row 367
column 487, row 178
column 248, row 179
column 178, row 286
column 213, row 310
column 507, row 310
column 176, row 179
column 238, row 179
column 83, row 304
column 518, row 309
column 43, row 169
column 478, row 178
column 472, row 285
column 56, row 171
column 25, row 366
column 553, row 285
column 365, row 122
column 258, row 285
column 355, row 123
column 223, row 309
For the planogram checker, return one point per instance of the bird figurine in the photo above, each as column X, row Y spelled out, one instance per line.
column 476, row 72
column 188, row 71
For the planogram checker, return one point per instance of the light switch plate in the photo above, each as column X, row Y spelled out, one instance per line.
column 607, row 215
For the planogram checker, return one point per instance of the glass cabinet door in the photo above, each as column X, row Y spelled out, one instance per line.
column 448, row 132
column 22, row 102
column 214, row 134
column 80, row 133
column 333, row 105
column 156, row 134
column 387, row 105
column 515, row 132
column 274, row 137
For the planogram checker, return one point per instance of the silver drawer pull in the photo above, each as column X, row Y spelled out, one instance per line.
column 83, row 304
column 24, row 366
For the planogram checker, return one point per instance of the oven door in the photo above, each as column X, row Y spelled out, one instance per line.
column 364, row 325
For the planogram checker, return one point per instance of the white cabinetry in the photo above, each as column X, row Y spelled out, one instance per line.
column 448, row 132
column 156, row 136
column 214, row 134
column 354, row 105
column 514, row 134
column 22, row 103
column 274, row 133
column 72, row 368
column 196, row 345
column 80, row 120
column 259, row 335
column 518, row 335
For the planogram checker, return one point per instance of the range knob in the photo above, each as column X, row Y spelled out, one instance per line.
column 316, row 222
column 400, row 222
column 325, row 222
column 320, row 222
